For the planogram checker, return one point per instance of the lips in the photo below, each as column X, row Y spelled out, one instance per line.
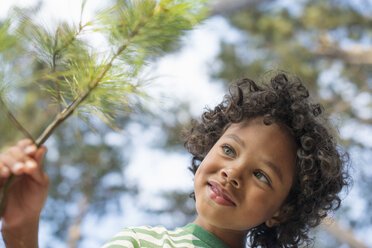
column 219, row 194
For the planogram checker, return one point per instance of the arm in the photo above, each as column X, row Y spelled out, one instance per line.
column 26, row 196
column 21, row 236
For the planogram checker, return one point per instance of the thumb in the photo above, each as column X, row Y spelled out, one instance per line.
column 39, row 156
column 38, row 174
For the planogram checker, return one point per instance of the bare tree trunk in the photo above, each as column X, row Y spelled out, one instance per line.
column 74, row 232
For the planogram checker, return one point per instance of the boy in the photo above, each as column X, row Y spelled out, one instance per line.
column 266, row 167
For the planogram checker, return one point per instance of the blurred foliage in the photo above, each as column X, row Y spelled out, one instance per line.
column 328, row 44
column 44, row 73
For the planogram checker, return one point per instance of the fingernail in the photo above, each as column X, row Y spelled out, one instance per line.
column 18, row 166
column 30, row 149
column 30, row 164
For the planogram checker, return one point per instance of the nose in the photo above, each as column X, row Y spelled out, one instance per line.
column 231, row 177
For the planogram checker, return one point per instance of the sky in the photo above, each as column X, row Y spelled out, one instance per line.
column 178, row 75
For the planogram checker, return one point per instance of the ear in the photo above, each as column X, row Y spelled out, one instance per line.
column 276, row 219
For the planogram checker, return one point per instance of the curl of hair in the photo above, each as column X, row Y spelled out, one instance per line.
column 321, row 166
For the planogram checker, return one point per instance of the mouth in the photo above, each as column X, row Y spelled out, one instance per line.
column 219, row 194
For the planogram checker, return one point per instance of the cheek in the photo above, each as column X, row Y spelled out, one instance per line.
column 198, row 181
column 260, row 206
column 203, row 170
column 199, row 194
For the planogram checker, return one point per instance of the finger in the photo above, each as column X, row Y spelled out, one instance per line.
column 28, row 146
column 4, row 170
column 34, row 168
column 12, row 164
column 30, row 150
column 39, row 156
column 30, row 166
column 24, row 143
column 16, row 153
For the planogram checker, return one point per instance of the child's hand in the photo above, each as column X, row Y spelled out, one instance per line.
column 29, row 190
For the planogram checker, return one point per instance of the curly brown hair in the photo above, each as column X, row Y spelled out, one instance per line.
column 321, row 165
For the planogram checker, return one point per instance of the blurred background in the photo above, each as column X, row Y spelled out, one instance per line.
column 105, row 180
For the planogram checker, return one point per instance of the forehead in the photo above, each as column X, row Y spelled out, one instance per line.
column 255, row 128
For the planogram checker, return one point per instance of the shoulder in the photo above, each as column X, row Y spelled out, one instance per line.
column 147, row 236
column 125, row 238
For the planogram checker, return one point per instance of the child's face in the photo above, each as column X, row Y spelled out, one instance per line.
column 245, row 177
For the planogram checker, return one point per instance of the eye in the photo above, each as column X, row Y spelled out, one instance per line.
column 262, row 177
column 229, row 151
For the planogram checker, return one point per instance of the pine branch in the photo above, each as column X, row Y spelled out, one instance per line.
column 56, row 53
column 63, row 115
column 153, row 20
column 77, row 101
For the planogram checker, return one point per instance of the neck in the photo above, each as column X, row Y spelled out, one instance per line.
column 232, row 238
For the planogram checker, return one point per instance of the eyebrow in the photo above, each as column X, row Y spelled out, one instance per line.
column 274, row 168
column 236, row 138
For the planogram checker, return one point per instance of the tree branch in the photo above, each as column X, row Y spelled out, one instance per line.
column 77, row 101
column 356, row 55
column 71, row 108
column 345, row 236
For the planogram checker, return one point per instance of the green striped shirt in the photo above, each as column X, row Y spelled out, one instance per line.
column 190, row 236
